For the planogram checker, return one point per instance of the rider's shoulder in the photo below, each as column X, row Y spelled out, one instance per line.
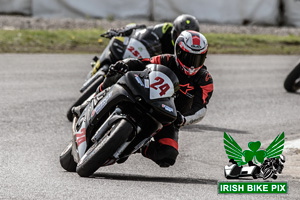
column 203, row 75
column 162, row 29
column 203, row 71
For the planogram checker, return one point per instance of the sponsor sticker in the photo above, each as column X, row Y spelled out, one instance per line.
column 104, row 101
column 167, row 108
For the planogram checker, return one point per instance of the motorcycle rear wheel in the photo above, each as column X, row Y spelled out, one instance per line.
column 84, row 96
column 102, row 151
column 66, row 159
column 290, row 82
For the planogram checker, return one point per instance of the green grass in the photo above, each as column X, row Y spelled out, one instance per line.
column 86, row 41
column 56, row 41
column 253, row 44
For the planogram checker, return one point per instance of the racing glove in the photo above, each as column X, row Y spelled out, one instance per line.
column 115, row 72
column 180, row 121
column 119, row 67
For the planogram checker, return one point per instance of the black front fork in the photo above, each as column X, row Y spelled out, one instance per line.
column 112, row 119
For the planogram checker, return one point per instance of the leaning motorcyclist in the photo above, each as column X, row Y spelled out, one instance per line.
column 196, row 88
column 164, row 33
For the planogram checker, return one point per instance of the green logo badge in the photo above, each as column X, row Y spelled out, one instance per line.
column 234, row 151
column 271, row 160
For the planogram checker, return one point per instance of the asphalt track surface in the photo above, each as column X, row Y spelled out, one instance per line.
column 249, row 103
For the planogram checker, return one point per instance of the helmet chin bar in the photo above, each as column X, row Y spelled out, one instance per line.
column 190, row 71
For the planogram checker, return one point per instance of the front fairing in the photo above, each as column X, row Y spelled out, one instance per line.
column 149, row 39
column 117, row 46
column 138, row 82
column 94, row 115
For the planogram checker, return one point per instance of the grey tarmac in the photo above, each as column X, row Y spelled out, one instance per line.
column 249, row 103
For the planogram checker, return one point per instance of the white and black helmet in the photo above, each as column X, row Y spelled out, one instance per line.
column 190, row 51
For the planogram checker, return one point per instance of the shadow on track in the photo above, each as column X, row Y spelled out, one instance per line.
column 201, row 128
column 132, row 177
column 293, row 93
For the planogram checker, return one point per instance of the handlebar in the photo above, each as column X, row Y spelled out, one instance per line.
column 122, row 31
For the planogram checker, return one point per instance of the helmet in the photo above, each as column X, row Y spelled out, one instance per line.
column 190, row 51
column 184, row 22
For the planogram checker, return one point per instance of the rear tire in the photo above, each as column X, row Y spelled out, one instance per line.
column 290, row 81
column 66, row 159
column 84, row 96
column 100, row 152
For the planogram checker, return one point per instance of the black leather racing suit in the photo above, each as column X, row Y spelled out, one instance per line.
column 157, row 39
column 191, row 100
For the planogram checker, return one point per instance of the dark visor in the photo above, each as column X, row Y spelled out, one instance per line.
column 189, row 59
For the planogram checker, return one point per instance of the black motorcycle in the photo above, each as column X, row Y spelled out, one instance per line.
column 292, row 81
column 141, row 43
column 121, row 119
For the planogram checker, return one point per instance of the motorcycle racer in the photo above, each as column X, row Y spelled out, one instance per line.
column 168, row 32
column 165, row 34
column 196, row 88
column 132, row 41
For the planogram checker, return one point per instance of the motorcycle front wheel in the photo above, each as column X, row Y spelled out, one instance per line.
column 66, row 159
column 103, row 150
column 291, row 84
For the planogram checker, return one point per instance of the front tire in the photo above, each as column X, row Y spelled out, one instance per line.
column 100, row 152
column 66, row 159
column 290, row 81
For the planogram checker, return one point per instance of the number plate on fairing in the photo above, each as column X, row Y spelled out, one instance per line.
column 136, row 49
column 161, row 85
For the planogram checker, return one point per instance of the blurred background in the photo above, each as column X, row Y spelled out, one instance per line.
column 46, row 47
column 237, row 12
column 68, row 26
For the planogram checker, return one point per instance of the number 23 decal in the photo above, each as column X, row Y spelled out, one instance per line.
column 160, row 84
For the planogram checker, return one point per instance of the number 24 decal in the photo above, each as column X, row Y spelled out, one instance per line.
column 163, row 87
